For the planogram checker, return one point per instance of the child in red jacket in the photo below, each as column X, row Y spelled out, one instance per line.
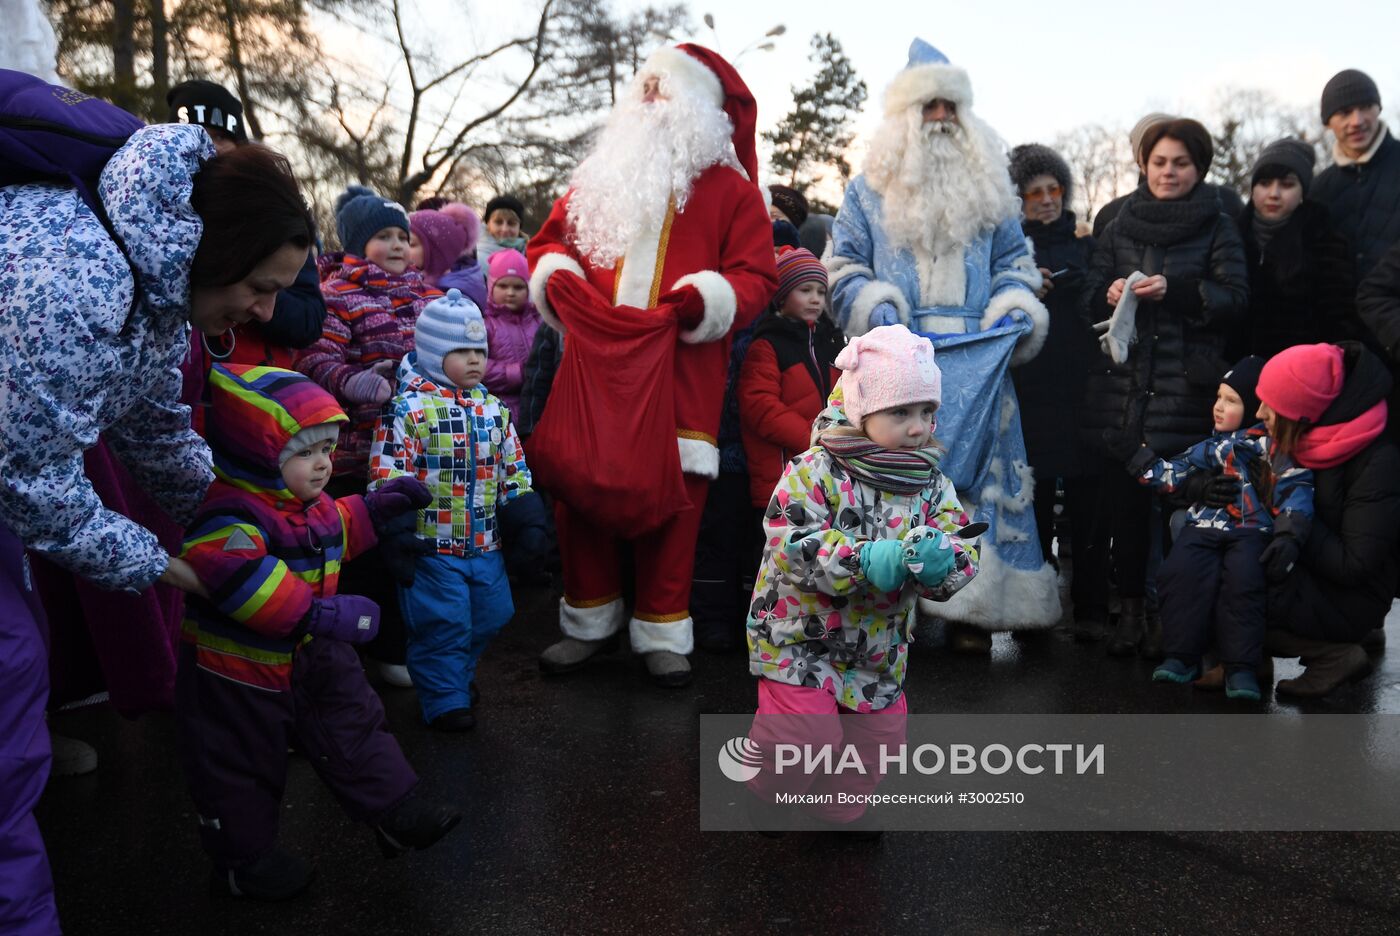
column 788, row 373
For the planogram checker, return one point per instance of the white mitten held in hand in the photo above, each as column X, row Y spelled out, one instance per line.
column 1120, row 331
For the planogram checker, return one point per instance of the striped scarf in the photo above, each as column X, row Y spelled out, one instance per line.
column 896, row 471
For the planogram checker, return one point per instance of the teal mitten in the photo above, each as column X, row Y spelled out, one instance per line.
column 882, row 563
column 927, row 554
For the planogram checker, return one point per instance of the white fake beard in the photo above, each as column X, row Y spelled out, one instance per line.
column 942, row 183
column 645, row 154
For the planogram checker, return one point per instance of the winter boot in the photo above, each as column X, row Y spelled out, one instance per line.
column 1128, row 634
column 71, row 757
column 1175, row 670
column 394, row 674
column 275, row 875
column 457, row 720
column 1091, row 628
column 974, row 641
column 671, row 670
column 414, row 823
column 1241, row 683
column 1327, row 666
column 571, row 653
column 1151, row 646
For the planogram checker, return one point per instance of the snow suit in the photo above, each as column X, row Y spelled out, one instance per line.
column 463, row 446
column 1212, row 583
column 250, row 678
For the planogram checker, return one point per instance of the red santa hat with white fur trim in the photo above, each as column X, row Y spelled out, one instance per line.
column 693, row 69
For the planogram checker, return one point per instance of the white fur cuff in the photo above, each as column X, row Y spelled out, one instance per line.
column 838, row 268
column 545, row 267
column 593, row 623
column 720, row 306
column 1008, row 301
column 699, row 457
column 872, row 294
column 650, row 636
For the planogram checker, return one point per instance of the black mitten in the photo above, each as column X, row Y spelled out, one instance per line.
column 524, row 529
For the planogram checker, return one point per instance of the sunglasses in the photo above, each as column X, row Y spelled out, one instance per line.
column 1054, row 191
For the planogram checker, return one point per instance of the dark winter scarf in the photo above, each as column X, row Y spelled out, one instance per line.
column 1060, row 230
column 1148, row 220
column 896, row 471
column 1264, row 230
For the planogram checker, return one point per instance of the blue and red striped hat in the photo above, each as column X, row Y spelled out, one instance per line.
column 795, row 267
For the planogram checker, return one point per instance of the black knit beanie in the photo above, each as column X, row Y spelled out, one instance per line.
column 1243, row 378
column 1032, row 159
column 1348, row 88
column 1289, row 153
column 208, row 105
column 508, row 202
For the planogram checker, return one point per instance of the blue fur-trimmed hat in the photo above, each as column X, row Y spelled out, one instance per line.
column 928, row 75
column 448, row 324
column 361, row 213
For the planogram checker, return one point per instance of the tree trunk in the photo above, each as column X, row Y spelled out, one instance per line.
column 240, row 72
column 124, row 55
column 160, row 59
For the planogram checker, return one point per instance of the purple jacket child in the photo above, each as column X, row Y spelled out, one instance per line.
column 511, row 323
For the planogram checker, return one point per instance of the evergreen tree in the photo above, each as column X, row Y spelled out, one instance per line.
column 815, row 134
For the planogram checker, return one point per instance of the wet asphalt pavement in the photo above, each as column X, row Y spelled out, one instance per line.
column 580, row 798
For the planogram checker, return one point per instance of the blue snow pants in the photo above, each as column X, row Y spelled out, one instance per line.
column 1212, row 585
column 456, row 605
column 26, row 886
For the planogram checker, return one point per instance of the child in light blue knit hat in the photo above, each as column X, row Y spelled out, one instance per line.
column 446, row 429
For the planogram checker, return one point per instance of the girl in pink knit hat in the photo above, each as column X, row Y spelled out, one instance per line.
column 511, row 323
column 859, row 527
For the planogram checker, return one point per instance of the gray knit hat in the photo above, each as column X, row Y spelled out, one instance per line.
column 1032, row 159
column 307, row 438
column 448, row 324
column 1348, row 88
column 1140, row 128
column 1289, row 153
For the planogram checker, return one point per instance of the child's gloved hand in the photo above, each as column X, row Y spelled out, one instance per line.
column 351, row 618
column 524, row 527
column 928, row 554
column 394, row 497
column 882, row 564
column 400, row 548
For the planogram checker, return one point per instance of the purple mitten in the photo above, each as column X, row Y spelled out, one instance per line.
column 394, row 497
column 367, row 386
column 351, row 618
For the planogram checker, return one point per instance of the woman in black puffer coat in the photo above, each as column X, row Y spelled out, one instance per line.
column 1325, row 405
column 1197, row 289
column 1050, row 387
column 1300, row 270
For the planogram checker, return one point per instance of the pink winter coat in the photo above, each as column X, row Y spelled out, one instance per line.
column 509, row 336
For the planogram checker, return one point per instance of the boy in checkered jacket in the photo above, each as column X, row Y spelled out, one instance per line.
column 450, row 432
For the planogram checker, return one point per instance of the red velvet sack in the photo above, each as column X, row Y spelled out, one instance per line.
column 606, row 444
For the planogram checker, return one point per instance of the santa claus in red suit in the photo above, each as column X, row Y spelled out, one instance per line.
column 663, row 218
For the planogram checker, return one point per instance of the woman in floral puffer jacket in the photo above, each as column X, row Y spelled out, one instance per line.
column 93, row 345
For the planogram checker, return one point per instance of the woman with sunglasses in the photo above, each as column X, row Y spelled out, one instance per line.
column 1050, row 386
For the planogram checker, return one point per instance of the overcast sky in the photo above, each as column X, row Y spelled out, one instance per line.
column 1038, row 68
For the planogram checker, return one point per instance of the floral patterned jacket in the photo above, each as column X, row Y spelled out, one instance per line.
column 815, row 621
column 78, row 360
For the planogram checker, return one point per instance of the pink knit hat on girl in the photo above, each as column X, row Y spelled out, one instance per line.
column 1300, row 382
column 505, row 263
column 887, row 366
column 441, row 238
